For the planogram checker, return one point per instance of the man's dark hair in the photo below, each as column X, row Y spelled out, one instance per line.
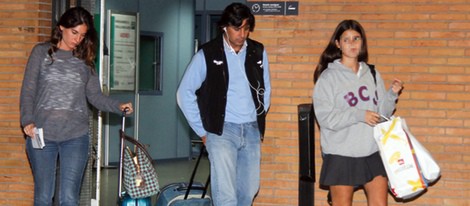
column 234, row 14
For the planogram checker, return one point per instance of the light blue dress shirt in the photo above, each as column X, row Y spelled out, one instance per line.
column 240, row 107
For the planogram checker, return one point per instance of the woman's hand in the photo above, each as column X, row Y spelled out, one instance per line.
column 372, row 118
column 29, row 130
column 397, row 85
column 127, row 107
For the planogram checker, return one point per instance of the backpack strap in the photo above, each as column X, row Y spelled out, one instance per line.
column 372, row 71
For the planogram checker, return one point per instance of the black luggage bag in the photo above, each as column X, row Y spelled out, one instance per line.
column 186, row 194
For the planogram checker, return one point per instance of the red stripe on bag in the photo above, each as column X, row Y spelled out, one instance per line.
column 418, row 168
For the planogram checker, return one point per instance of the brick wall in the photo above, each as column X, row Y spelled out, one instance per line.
column 423, row 42
column 22, row 24
column 420, row 41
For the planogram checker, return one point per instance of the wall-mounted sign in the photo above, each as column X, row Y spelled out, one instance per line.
column 123, row 48
column 274, row 7
column 292, row 8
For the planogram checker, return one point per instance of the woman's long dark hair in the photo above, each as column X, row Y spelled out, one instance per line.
column 86, row 50
column 332, row 52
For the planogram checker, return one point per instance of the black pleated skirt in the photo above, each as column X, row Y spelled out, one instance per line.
column 353, row 171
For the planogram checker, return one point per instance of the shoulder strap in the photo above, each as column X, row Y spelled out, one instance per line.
column 372, row 71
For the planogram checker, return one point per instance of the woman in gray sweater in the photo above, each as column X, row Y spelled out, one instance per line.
column 59, row 84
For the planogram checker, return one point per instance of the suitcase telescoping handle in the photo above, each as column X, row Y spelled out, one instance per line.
column 123, row 123
column 191, row 181
column 121, row 150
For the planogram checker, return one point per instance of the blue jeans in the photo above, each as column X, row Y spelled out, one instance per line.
column 235, row 164
column 73, row 156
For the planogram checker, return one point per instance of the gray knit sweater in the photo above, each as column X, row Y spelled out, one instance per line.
column 55, row 95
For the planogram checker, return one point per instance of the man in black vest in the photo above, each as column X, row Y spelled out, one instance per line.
column 225, row 95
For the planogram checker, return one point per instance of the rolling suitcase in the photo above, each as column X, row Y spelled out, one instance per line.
column 186, row 194
column 125, row 199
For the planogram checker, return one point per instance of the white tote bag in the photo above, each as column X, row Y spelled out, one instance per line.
column 429, row 167
column 409, row 166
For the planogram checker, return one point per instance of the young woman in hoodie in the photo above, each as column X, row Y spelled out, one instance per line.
column 349, row 99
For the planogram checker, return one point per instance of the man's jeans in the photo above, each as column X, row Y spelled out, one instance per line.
column 235, row 164
column 73, row 156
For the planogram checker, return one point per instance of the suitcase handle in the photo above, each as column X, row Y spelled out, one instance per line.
column 192, row 187
column 121, row 150
column 123, row 114
column 191, row 181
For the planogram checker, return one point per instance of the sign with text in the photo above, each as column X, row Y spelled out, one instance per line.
column 274, row 7
column 123, row 50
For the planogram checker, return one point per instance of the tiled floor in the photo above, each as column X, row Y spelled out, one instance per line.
column 169, row 171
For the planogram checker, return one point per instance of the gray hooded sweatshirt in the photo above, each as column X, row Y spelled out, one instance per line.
column 341, row 99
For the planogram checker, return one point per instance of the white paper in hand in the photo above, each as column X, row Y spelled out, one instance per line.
column 38, row 139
